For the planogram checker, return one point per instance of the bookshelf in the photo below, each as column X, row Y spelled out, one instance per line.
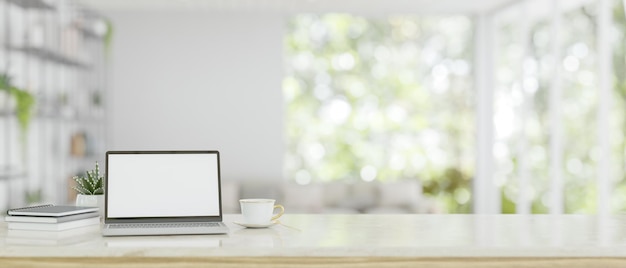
column 55, row 50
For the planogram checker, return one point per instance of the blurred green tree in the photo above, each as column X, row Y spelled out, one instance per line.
column 381, row 99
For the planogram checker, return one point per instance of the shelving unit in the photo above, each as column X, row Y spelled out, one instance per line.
column 54, row 50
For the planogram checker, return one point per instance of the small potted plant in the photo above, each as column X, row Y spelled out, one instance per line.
column 90, row 189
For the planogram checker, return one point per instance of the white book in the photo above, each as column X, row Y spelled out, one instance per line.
column 65, row 237
column 50, row 219
column 80, row 231
column 53, row 226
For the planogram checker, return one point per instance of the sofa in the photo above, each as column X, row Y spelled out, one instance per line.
column 398, row 197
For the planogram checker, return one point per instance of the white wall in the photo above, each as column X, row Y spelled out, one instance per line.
column 199, row 80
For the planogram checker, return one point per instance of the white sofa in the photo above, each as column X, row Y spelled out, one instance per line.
column 403, row 196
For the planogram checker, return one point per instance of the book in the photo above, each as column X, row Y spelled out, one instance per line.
column 53, row 226
column 50, row 211
column 50, row 219
column 65, row 237
column 80, row 231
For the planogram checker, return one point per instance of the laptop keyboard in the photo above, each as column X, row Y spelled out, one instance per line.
column 165, row 225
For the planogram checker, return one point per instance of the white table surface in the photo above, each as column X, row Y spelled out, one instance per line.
column 356, row 236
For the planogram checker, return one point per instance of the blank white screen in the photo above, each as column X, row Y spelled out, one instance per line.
column 162, row 185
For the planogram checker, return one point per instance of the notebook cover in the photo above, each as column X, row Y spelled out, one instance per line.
column 50, row 211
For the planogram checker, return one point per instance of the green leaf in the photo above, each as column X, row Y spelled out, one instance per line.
column 91, row 183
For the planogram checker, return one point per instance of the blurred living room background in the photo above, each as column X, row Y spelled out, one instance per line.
column 397, row 106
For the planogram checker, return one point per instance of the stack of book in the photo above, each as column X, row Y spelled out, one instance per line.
column 51, row 218
column 56, row 238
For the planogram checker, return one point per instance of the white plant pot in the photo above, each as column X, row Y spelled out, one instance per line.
column 91, row 201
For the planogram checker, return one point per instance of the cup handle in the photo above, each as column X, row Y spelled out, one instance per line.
column 282, row 210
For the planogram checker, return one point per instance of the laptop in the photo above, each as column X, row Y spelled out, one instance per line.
column 162, row 193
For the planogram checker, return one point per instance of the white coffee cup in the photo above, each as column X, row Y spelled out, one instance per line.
column 260, row 211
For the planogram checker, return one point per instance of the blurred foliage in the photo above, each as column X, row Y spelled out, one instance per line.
column 578, row 116
column 387, row 99
column 33, row 197
column 108, row 37
column 381, row 99
column 580, row 105
column 452, row 188
column 24, row 105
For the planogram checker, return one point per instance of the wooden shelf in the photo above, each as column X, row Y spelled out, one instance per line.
column 48, row 55
column 33, row 4
column 7, row 172
column 87, row 33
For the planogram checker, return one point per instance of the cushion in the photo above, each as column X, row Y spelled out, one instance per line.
column 400, row 193
column 303, row 198
column 362, row 196
column 335, row 193
column 230, row 196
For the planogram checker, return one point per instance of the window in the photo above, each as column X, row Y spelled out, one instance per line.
column 522, row 107
column 392, row 98
column 381, row 99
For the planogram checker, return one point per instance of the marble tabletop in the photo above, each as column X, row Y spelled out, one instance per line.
column 320, row 235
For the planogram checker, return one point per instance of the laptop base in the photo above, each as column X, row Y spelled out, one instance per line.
column 129, row 230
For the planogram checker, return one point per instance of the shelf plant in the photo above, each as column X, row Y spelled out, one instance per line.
column 25, row 103
column 23, row 112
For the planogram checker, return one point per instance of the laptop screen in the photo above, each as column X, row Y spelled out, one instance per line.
column 153, row 184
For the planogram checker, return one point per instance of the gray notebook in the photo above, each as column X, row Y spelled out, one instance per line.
column 50, row 211
column 61, row 219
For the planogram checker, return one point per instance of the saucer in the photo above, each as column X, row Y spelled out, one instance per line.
column 256, row 225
